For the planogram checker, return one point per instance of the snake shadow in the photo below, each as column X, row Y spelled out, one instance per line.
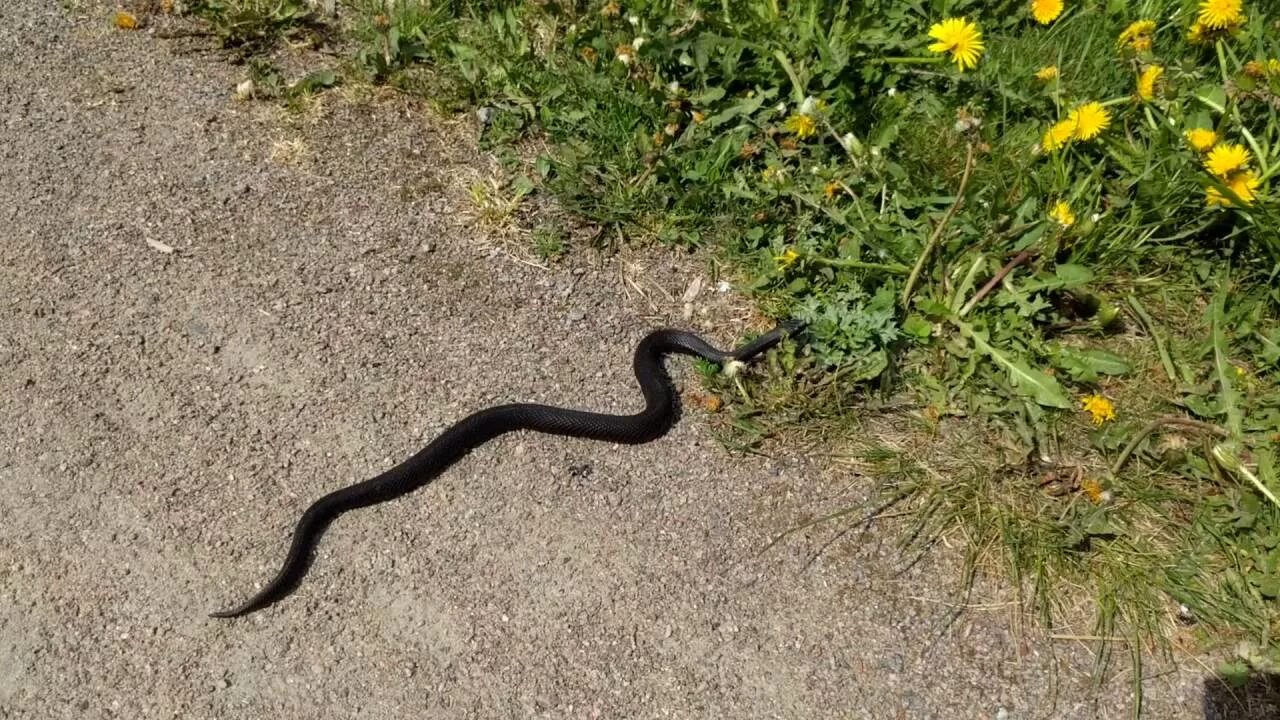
column 1258, row 699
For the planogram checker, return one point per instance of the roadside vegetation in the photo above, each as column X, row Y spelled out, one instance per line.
column 1048, row 228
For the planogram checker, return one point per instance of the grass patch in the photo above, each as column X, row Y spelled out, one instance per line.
column 1069, row 249
column 252, row 26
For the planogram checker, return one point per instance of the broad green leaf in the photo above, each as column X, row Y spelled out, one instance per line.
column 1073, row 275
column 1213, row 96
column 917, row 327
column 708, row 96
column 1035, row 384
column 1105, row 363
column 1064, row 276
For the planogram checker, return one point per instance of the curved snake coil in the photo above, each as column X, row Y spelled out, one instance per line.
column 657, row 417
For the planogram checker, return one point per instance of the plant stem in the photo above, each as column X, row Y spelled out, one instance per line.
column 1156, row 424
column 937, row 232
column 891, row 268
column 995, row 280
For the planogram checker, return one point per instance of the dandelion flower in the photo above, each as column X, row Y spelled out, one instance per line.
column 1220, row 14
column 1138, row 35
column 831, row 189
column 1089, row 120
column 801, row 125
column 1202, row 139
column 1255, row 69
column 1099, row 408
column 1147, row 82
column 126, row 21
column 773, row 174
column 1047, row 73
column 1092, row 489
column 786, row 259
column 611, row 9
column 1273, row 67
column 1244, row 184
column 959, row 37
column 1198, row 33
column 1061, row 214
column 1046, row 11
column 1058, row 135
column 1226, row 158
column 625, row 53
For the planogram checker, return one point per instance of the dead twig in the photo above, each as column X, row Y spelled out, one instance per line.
column 995, row 280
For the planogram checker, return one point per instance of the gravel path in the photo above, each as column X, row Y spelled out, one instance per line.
column 325, row 310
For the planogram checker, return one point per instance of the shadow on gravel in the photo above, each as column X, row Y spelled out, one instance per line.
column 1259, row 699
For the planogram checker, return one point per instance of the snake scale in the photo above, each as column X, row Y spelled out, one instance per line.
column 658, row 416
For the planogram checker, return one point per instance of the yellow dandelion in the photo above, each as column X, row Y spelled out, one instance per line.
column 1255, row 69
column 1089, row 120
column 1046, row 11
column 801, row 125
column 1198, row 34
column 611, row 9
column 1273, row 67
column 1147, row 82
column 1138, row 35
column 1092, row 489
column 831, row 189
column 126, row 21
column 1226, row 158
column 959, row 37
column 1047, row 73
column 1061, row 214
column 1244, row 184
column 1058, row 135
column 1220, row 14
column 772, row 174
column 1099, row 408
column 1202, row 139
column 786, row 259
column 699, row 116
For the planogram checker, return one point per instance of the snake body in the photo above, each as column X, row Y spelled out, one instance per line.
column 657, row 417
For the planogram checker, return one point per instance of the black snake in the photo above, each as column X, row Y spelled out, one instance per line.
column 657, row 417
